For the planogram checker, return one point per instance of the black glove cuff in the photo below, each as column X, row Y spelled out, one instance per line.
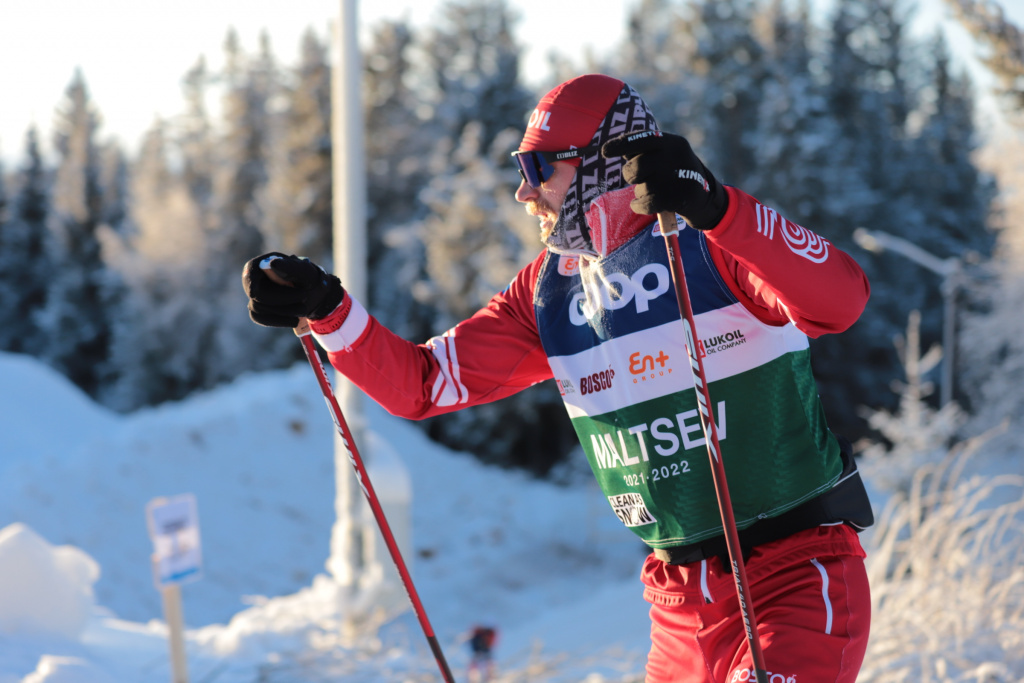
column 717, row 206
column 334, row 293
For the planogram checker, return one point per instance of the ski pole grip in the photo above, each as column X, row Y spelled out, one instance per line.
column 302, row 328
column 668, row 223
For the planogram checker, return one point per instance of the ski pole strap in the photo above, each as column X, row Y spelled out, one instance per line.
column 846, row 502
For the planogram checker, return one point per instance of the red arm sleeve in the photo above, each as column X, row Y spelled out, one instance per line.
column 783, row 272
column 493, row 354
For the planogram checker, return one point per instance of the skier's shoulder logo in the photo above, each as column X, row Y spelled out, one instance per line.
column 799, row 239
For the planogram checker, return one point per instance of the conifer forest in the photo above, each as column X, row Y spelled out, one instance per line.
column 121, row 270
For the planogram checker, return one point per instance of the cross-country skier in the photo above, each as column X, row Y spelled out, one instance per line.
column 596, row 312
column 481, row 646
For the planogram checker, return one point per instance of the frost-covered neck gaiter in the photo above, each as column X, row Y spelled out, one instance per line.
column 585, row 111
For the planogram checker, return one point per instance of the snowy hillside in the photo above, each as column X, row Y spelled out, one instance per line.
column 547, row 565
column 491, row 546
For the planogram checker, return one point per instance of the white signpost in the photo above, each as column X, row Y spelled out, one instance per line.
column 177, row 558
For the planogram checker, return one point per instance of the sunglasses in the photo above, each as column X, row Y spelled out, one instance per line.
column 535, row 167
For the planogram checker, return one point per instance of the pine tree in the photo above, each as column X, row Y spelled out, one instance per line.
column 474, row 61
column 24, row 263
column 299, row 204
column 239, row 182
column 114, row 181
column 651, row 58
column 795, row 132
column 729, row 75
column 400, row 134
column 75, row 317
column 958, row 194
column 869, row 99
column 159, row 330
column 196, row 138
column 242, row 172
column 987, row 22
column 479, row 237
column 9, row 248
column 476, row 236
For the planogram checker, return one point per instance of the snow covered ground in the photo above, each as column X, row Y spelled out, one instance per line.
column 548, row 565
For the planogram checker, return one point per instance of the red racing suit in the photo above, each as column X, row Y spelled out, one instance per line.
column 782, row 275
column 497, row 352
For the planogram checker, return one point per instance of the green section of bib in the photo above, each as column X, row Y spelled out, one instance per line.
column 652, row 463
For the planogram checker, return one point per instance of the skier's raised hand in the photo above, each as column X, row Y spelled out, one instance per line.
column 311, row 293
column 669, row 177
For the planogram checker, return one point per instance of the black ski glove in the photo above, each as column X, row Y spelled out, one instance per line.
column 313, row 293
column 669, row 177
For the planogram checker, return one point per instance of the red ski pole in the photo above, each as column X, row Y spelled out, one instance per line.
column 670, row 230
column 305, row 336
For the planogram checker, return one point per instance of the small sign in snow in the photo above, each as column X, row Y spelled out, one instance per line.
column 174, row 527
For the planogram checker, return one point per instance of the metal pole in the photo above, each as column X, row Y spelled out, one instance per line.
column 948, row 337
column 348, row 538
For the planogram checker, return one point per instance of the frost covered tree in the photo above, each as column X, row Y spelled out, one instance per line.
column 75, row 317
column 649, row 58
column 473, row 61
column 837, row 127
column 239, row 182
column 959, row 195
column 195, row 137
column 795, row 130
column 996, row 331
column 159, row 333
column 241, row 173
column 728, row 75
column 1004, row 40
column 899, row 124
column 113, row 168
column 24, row 261
column 476, row 237
column 400, row 133
column 298, row 196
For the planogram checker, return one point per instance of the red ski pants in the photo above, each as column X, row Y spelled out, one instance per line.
column 811, row 601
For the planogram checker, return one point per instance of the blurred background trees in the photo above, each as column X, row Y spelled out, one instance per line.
column 123, row 273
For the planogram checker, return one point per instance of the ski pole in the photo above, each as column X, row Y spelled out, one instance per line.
column 303, row 332
column 670, row 231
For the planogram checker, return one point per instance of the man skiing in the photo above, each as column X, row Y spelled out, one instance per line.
column 481, row 646
column 596, row 312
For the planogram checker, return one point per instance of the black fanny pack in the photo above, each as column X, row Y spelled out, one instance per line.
column 846, row 502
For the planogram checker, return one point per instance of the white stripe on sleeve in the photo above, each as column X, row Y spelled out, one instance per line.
column 448, row 389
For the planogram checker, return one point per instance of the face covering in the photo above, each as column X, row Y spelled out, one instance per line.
column 596, row 175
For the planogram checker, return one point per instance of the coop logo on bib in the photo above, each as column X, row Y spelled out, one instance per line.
column 617, row 290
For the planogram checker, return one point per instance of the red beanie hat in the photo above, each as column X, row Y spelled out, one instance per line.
column 569, row 115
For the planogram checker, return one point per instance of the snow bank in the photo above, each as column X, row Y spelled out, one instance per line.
column 28, row 401
column 44, row 590
column 54, row 669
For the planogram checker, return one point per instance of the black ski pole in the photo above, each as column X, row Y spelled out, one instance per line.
column 670, row 231
column 305, row 336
